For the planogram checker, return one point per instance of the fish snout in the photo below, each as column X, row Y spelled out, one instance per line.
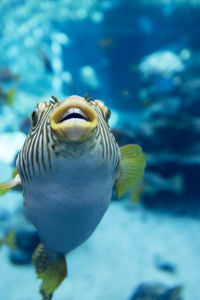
column 73, row 119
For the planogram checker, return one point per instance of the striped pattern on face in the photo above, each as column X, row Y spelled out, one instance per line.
column 104, row 136
column 35, row 157
column 41, row 147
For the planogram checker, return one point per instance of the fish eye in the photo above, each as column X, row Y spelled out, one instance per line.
column 108, row 114
column 104, row 109
column 34, row 116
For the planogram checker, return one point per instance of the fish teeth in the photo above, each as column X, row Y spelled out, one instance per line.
column 74, row 110
column 74, row 120
column 71, row 111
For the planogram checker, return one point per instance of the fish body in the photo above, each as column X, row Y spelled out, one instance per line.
column 68, row 195
column 67, row 208
column 67, row 168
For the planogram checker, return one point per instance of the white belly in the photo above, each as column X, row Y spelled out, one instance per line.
column 66, row 211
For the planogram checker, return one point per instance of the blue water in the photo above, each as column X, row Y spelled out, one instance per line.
column 142, row 59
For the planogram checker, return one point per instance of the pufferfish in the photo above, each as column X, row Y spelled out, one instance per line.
column 67, row 168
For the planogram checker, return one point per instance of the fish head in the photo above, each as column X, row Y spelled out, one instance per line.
column 71, row 128
column 76, row 119
column 73, row 125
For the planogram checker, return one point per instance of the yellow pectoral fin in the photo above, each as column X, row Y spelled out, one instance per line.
column 14, row 173
column 6, row 186
column 132, row 166
column 136, row 192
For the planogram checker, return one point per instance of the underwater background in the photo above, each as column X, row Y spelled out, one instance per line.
column 142, row 59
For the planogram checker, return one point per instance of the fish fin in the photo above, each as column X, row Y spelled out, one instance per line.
column 136, row 192
column 14, row 173
column 132, row 166
column 45, row 296
column 6, row 186
column 52, row 270
column 10, row 96
column 10, row 239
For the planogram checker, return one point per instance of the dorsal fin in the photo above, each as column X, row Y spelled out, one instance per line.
column 54, row 101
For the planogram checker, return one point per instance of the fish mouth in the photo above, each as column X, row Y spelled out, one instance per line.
column 73, row 119
column 74, row 114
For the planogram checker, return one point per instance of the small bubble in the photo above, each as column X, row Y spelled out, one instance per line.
column 185, row 54
column 67, row 76
column 97, row 16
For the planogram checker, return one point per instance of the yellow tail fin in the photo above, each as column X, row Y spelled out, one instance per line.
column 51, row 270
